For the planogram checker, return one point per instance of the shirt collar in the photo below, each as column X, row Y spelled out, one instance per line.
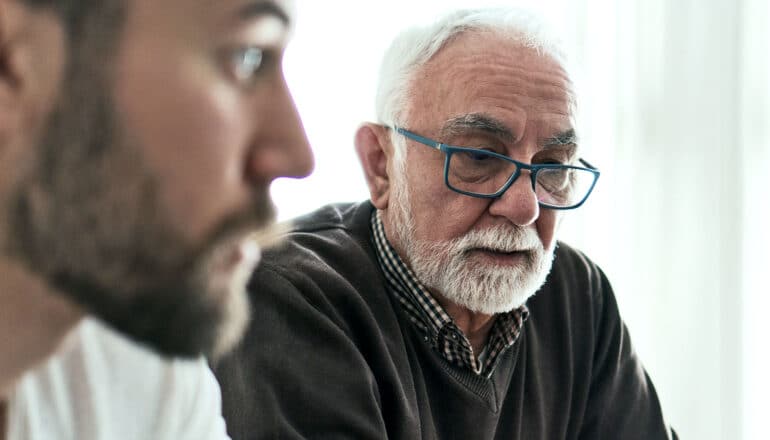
column 437, row 327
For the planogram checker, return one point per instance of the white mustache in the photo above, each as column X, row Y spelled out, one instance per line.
column 500, row 239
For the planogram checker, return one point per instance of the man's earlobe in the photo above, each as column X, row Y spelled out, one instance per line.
column 374, row 151
column 9, row 75
column 32, row 61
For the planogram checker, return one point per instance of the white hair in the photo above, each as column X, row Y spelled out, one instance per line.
column 414, row 47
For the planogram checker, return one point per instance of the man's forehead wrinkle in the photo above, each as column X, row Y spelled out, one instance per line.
column 501, row 60
column 513, row 85
column 476, row 121
column 498, row 87
column 545, row 83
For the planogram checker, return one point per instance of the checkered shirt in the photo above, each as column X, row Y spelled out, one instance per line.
column 437, row 327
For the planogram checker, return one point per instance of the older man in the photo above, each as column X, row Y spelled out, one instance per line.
column 415, row 316
column 138, row 139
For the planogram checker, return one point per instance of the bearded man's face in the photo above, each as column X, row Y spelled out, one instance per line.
column 152, row 170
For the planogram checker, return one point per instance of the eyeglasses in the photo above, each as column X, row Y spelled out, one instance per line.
column 481, row 173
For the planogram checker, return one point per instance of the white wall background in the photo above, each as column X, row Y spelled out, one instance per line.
column 675, row 111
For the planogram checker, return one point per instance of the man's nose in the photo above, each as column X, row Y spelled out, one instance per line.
column 518, row 203
column 281, row 149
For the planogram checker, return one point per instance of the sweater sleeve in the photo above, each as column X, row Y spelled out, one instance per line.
column 623, row 402
column 298, row 373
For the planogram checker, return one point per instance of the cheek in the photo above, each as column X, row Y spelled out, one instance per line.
column 547, row 225
column 189, row 131
column 441, row 214
column 199, row 136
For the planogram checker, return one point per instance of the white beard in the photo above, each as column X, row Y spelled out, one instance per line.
column 448, row 269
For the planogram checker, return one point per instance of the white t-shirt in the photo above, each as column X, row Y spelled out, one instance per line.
column 102, row 386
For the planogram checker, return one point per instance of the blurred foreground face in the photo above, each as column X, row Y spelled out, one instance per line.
column 152, row 163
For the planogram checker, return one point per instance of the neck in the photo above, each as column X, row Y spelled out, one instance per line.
column 475, row 326
column 33, row 322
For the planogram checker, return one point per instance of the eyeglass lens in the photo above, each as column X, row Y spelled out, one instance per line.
column 483, row 174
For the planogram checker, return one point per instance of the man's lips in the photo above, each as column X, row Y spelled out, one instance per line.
column 500, row 256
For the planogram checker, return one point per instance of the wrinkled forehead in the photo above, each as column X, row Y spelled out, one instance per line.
column 486, row 50
column 486, row 67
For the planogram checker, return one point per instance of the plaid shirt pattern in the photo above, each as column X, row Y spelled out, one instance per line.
column 437, row 327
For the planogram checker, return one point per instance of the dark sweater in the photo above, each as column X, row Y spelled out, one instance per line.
column 330, row 354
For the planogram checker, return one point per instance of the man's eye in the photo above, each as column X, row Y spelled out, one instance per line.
column 545, row 160
column 246, row 62
column 478, row 156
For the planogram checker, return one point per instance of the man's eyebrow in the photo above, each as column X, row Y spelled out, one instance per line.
column 476, row 121
column 256, row 9
column 566, row 137
column 566, row 141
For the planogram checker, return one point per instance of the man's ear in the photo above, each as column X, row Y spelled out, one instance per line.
column 32, row 58
column 375, row 151
column 9, row 72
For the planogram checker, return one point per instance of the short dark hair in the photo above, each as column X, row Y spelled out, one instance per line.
column 83, row 18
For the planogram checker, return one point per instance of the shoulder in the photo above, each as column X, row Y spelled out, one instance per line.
column 579, row 304
column 574, row 300
column 333, row 233
column 326, row 257
column 572, row 262
column 322, row 286
column 102, row 385
column 323, row 337
column 575, row 274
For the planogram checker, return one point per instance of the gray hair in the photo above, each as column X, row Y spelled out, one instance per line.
column 416, row 46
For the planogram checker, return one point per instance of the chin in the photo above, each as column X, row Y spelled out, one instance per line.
column 230, row 296
column 489, row 296
column 192, row 314
column 491, row 288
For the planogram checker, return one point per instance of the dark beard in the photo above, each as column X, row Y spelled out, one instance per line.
column 88, row 219
column 174, row 310
column 171, row 308
column 157, row 317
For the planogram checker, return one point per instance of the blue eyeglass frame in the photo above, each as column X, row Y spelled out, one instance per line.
column 448, row 150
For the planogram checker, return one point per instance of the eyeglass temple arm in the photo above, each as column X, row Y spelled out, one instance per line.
column 418, row 138
column 588, row 165
column 438, row 145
